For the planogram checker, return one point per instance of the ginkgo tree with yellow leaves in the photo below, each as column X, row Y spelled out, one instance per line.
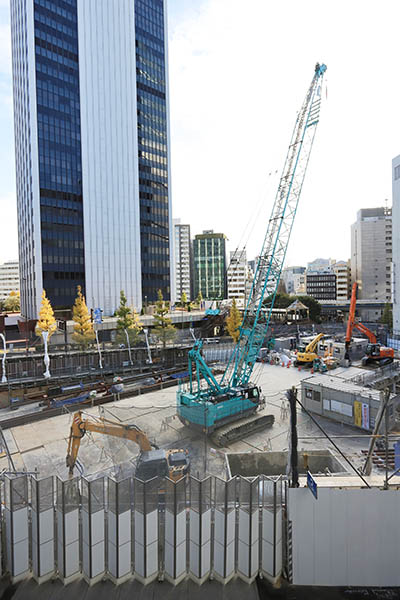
column 46, row 321
column 83, row 326
column 234, row 321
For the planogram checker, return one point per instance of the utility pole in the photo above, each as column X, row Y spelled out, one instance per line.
column 386, row 486
column 366, row 469
column 294, row 467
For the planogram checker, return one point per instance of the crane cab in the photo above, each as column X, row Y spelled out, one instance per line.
column 378, row 354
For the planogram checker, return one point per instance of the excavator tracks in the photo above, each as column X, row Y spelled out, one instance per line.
column 231, row 433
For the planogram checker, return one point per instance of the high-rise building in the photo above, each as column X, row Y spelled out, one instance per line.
column 183, row 260
column 92, row 151
column 396, row 251
column 9, row 278
column 209, row 265
column 321, row 285
column 238, row 277
column 371, row 253
column 294, row 279
column 343, row 279
column 321, row 279
column 320, row 265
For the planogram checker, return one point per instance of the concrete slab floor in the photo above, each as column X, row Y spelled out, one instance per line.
column 44, row 444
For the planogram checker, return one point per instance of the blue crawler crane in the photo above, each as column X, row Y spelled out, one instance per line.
column 205, row 403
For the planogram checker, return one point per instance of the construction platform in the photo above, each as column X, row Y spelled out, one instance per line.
column 42, row 445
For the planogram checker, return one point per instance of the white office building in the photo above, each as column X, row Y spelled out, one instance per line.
column 371, row 254
column 183, row 260
column 9, row 278
column 294, row 279
column 396, row 251
column 238, row 278
column 91, row 114
column 343, row 279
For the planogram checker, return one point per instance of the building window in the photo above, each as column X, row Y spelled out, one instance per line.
column 397, row 172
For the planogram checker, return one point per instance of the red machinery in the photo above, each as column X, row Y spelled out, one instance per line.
column 375, row 353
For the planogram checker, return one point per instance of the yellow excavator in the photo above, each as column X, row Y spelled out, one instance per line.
column 152, row 461
column 306, row 356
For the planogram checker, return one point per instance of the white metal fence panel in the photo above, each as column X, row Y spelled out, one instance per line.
column 346, row 537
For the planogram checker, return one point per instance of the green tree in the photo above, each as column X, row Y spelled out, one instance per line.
column 128, row 319
column 12, row 303
column 46, row 321
column 163, row 329
column 184, row 299
column 199, row 298
column 281, row 300
column 234, row 321
column 387, row 315
column 83, row 327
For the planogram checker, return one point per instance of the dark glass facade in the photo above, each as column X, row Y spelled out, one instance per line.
column 152, row 147
column 209, row 266
column 59, row 142
column 321, row 286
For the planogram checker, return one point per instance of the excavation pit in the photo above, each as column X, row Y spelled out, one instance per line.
column 320, row 462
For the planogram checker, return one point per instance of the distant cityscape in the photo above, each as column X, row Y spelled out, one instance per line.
column 70, row 233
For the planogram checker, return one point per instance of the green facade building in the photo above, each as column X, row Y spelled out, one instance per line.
column 209, row 268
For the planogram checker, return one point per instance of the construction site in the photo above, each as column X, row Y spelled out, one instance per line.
column 264, row 459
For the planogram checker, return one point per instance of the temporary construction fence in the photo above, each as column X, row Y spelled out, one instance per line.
column 147, row 530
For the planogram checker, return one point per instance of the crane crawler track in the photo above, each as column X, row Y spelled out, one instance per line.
column 228, row 434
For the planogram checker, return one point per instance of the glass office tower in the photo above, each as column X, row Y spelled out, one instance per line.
column 153, row 142
column 92, row 156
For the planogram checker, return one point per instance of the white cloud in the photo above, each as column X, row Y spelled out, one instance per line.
column 238, row 74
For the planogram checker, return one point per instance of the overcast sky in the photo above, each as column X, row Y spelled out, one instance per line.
column 238, row 74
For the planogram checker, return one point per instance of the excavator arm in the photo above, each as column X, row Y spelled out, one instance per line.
column 352, row 324
column 81, row 425
column 363, row 329
column 313, row 344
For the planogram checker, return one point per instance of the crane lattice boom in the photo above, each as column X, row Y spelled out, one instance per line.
column 270, row 262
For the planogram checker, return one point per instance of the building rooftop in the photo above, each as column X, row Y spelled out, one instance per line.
column 342, row 385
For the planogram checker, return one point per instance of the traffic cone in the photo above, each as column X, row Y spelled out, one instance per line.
column 312, row 371
column 289, row 363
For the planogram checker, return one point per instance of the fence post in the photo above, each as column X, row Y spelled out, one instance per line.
column 67, row 509
column 146, row 529
column 248, row 544
column 16, row 522
column 271, row 530
column 200, row 529
column 93, row 530
column 175, row 531
column 224, row 532
column 119, row 530
column 42, row 494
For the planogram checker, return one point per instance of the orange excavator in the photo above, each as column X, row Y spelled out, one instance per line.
column 152, row 461
column 375, row 353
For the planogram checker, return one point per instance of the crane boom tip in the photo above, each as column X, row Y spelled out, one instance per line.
column 320, row 69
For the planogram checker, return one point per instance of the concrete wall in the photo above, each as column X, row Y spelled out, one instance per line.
column 346, row 537
column 252, row 464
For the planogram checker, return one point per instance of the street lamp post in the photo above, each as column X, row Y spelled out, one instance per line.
column 98, row 348
column 129, row 347
column 4, row 377
column 45, row 335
